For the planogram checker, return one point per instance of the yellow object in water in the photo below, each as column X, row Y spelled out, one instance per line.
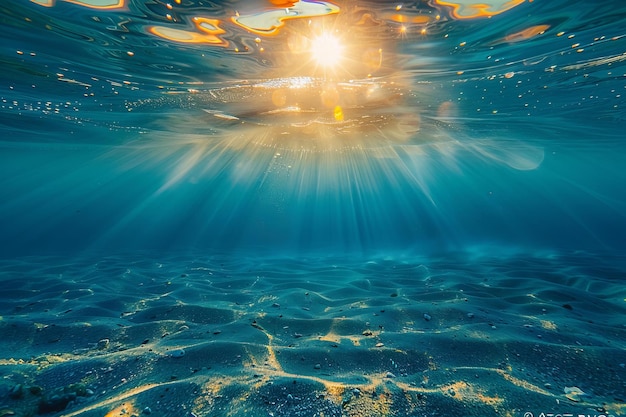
column 338, row 114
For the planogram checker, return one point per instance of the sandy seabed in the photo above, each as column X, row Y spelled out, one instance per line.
column 457, row 335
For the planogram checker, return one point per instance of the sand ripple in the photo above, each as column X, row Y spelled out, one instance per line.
column 226, row 335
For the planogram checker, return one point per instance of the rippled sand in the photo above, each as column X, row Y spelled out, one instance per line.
column 227, row 336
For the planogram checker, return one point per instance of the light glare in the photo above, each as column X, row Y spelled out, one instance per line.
column 326, row 50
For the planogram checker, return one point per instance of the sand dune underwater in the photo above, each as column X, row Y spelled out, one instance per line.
column 224, row 336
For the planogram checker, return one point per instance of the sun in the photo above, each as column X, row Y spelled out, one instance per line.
column 326, row 50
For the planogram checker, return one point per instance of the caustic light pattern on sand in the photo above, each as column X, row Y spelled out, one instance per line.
column 234, row 335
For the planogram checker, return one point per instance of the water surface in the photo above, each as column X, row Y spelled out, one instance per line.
column 440, row 126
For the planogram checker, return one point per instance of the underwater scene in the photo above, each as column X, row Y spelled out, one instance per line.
column 313, row 208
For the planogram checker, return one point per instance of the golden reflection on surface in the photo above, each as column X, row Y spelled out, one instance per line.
column 93, row 4
column 303, row 131
column 100, row 4
column 335, row 85
column 46, row 3
column 209, row 27
column 468, row 9
column 270, row 21
column 526, row 34
column 403, row 18
column 335, row 49
column 316, row 114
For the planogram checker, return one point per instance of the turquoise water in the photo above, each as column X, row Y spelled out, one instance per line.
column 277, row 208
column 220, row 127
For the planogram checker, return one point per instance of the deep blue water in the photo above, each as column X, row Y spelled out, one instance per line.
column 211, row 126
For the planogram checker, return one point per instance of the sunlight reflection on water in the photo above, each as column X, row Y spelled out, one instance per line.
column 311, row 123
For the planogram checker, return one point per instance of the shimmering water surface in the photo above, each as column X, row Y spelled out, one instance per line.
column 326, row 127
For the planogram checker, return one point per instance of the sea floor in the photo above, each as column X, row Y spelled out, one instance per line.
column 455, row 335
